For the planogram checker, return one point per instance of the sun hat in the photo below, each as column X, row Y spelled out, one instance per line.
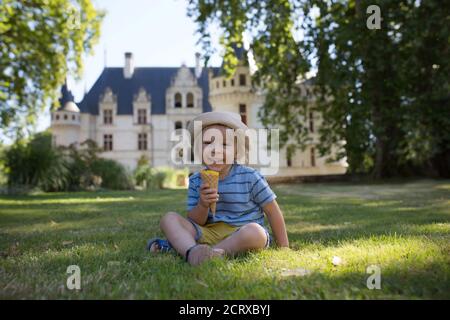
column 226, row 118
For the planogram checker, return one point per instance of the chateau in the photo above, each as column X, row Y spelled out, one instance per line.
column 131, row 112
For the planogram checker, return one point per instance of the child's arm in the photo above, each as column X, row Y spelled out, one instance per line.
column 277, row 224
column 199, row 214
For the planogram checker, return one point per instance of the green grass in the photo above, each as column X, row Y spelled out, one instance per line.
column 402, row 227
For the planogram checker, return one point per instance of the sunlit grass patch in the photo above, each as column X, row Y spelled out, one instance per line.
column 402, row 228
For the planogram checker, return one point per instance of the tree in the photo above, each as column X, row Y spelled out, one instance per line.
column 40, row 42
column 385, row 92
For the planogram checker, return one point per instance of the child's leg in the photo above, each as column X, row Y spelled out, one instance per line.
column 249, row 237
column 181, row 234
column 179, row 231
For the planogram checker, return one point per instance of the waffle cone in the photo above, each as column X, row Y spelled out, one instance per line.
column 212, row 178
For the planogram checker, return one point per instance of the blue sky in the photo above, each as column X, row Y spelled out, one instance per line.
column 158, row 32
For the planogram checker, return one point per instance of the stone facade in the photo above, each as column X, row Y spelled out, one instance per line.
column 157, row 101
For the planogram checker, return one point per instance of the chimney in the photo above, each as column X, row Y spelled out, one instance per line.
column 198, row 67
column 129, row 65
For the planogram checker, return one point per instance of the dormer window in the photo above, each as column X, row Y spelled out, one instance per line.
column 177, row 100
column 142, row 116
column 107, row 116
column 190, row 100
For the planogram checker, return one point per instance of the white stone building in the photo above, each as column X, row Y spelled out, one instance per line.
column 131, row 112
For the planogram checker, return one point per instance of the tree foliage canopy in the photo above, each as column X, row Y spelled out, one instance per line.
column 384, row 92
column 40, row 42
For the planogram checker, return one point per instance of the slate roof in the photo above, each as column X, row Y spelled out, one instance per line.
column 155, row 80
column 66, row 96
column 240, row 53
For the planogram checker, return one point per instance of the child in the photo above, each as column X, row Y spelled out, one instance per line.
column 242, row 198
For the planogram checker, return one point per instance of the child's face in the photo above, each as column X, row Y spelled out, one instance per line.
column 217, row 149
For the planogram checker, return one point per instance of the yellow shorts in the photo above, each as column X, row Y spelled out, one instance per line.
column 213, row 233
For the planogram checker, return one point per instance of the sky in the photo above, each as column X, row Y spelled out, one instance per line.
column 158, row 33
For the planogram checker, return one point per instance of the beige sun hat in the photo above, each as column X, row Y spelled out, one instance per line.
column 228, row 119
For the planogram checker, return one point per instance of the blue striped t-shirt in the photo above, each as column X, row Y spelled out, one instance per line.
column 242, row 195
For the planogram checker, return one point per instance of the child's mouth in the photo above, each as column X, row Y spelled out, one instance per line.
column 213, row 165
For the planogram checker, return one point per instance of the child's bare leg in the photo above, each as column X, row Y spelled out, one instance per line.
column 181, row 234
column 179, row 231
column 249, row 237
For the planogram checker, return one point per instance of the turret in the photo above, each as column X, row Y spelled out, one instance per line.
column 65, row 121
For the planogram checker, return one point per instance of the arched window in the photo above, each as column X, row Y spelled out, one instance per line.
column 190, row 100
column 178, row 125
column 177, row 100
column 313, row 157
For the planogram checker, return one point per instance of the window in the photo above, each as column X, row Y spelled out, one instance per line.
column 313, row 157
column 142, row 141
column 65, row 117
column 243, row 112
column 232, row 82
column 107, row 116
column 142, row 116
column 73, row 117
column 190, row 100
column 242, row 80
column 107, row 142
column 311, row 122
column 57, row 117
column 178, row 100
column 217, row 84
column 178, row 125
column 289, row 160
column 224, row 83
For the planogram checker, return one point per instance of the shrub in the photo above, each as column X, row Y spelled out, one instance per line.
column 35, row 163
column 160, row 177
column 113, row 174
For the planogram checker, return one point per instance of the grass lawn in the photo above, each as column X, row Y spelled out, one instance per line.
column 404, row 228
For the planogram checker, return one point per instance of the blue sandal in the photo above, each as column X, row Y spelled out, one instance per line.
column 164, row 245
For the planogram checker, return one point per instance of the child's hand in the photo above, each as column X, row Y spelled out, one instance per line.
column 207, row 195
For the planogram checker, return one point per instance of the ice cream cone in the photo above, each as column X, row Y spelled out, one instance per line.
column 211, row 177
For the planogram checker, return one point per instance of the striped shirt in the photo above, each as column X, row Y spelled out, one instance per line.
column 242, row 195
